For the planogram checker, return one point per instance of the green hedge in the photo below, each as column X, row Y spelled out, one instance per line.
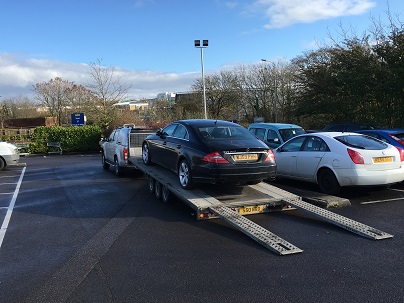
column 72, row 138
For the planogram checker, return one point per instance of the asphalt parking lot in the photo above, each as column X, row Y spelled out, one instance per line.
column 72, row 232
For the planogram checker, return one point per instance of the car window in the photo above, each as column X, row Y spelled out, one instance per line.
column 293, row 145
column 226, row 132
column 272, row 137
column 169, row 129
column 112, row 136
column 181, row 132
column 121, row 137
column 315, row 144
column 361, row 142
column 260, row 133
column 288, row 133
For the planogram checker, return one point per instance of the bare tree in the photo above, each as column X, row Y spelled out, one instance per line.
column 107, row 89
column 53, row 95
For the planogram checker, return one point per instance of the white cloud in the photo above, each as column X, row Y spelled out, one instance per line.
column 283, row 13
column 19, row 75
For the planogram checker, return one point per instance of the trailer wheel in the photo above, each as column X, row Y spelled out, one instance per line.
column 105, row 165
column 157, row 189
column 184, row 174
column 165, row 194
column 152, row 184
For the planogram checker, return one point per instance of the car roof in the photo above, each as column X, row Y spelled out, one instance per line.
column 207, row 122
column 274, row 125
column 385, row 130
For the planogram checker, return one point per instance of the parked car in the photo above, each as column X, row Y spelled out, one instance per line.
column 335, row 159
column 275, row 134
column 211, row 151
column 392, row 136
column 348, row 127
column 9, row 154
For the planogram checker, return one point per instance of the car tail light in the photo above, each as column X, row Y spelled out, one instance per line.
column 401, row 151
column 125, row 154
column 356, row 157
column 270, row 157
column 397, row 139
column 215, row 157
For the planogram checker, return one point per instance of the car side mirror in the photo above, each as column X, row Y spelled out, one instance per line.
column 159, row 132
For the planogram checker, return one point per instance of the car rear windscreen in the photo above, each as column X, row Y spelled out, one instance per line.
column 361, row 142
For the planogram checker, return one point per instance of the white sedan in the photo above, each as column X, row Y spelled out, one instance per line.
column 335, row 159
column 9, row 154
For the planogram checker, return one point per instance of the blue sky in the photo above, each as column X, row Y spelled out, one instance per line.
column 151, row 42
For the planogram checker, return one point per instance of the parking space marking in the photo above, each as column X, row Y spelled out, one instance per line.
column 10, row 208
column 395, row 189
column 382, row 201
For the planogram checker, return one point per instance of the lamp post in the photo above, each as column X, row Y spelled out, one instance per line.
column 204, row 45
column 275, row 92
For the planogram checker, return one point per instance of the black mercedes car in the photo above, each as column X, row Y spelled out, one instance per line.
column 210, row 151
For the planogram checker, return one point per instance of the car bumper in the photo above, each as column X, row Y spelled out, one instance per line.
column 229, row 174
column 11, row 159
column 366, row 177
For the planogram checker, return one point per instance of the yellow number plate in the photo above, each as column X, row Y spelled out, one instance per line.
column 382, row 159
column 245, row 157
column 251, row 209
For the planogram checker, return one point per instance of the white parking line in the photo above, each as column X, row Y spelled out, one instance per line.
column 400, row 190
column 381, row 201
column 10, row 209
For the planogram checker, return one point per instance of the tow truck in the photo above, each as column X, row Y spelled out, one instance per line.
column 229, row 203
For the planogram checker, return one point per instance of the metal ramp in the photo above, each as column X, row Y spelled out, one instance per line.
column 341, row 221
column 255, row 231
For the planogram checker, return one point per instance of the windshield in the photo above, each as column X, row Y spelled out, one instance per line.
column 362, row 142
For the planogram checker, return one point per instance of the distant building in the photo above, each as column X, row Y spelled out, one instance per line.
column 133, row 105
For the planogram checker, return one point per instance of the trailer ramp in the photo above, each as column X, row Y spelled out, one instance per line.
column 341, row 221
column 255, row 231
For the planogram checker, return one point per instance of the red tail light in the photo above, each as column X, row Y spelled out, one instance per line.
column 401, row 151
column 355, row 156
column 270, row 156
column 125, row 154
column 215, row 157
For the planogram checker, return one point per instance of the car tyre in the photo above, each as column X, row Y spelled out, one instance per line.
column 328, row 183
column 2, row 164
column 184, row 175
column 105, row 165
column 146, row 157
column 117, row 168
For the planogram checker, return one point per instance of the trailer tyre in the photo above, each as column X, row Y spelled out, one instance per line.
column 146, row 157
column 157, row 189
column 184, row 174
column 165, row 194
column 152, row 184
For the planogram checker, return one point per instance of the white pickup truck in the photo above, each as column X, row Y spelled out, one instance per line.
column 121, row 145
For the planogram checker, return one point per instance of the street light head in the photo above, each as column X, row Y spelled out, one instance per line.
column 197, row 43
column 205, row 43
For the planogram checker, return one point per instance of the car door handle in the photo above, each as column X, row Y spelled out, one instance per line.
column 179, row 146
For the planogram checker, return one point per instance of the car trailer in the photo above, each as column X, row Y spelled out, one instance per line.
column 232, row 203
